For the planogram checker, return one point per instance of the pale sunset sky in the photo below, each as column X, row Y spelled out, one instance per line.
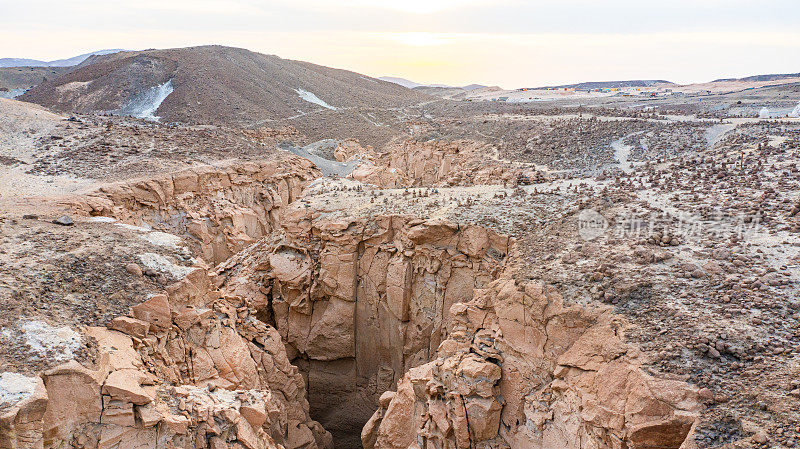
column 511, row 43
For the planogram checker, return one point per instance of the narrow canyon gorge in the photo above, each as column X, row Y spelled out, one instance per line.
column 310, row 325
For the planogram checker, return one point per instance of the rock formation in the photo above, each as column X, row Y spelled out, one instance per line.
column 407, row 163
column 642, row 294
column 190, row 369
column 522, row 369
column 358, row 302
column 221, row 209
column 448, row 163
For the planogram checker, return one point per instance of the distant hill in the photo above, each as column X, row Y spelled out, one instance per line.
column 401, row 81
column 69, row 62
column 214, row 85
column 441, row 92
column 772, row 77
column 608, row 84
column 649, row 83
column 473, row 87
column 16, row 80
column 412, row 85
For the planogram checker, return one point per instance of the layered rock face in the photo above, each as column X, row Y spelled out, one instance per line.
column 521, row 369
column 190, row 369
column 447, row 163
column 359, row 302
column 432, row 163
column 221, row 209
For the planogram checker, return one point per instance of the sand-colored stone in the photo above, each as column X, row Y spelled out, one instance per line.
column 375, row 305
column 221, row 209
column 574, row 386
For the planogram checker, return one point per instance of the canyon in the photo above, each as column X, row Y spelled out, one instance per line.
column 312, row 313
column 420, row 273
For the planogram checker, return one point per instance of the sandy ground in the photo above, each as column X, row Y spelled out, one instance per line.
column 22, row 126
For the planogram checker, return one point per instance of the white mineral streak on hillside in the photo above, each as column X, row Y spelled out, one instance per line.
column 145, row 104
column 311, row 98
column 160, row 263
column 57, row 343
column 796, row 111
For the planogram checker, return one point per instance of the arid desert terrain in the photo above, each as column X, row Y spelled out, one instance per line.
column 208, row 248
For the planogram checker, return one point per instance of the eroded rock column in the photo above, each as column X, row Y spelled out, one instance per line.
column 360, row 301
column 521, row 369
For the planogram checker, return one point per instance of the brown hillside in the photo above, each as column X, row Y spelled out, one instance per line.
column 215, row 84
column 25, row 77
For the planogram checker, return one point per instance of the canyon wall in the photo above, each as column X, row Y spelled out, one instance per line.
column 412, row 163
column 436, row 162
column 521, row 369
column 360, row 301
column 189, row 369
column 219, row 209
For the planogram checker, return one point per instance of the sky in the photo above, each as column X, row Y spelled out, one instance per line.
column 510, row 43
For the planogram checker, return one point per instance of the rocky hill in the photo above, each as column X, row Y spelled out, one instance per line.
column 214, row 84
column 608, row 84
column 770, row 77
column 15, row 80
